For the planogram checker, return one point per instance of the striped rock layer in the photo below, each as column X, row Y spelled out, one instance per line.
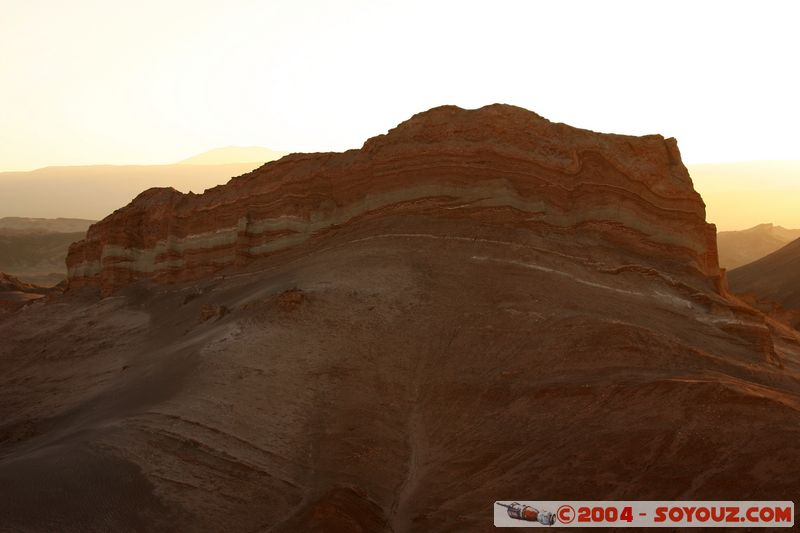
column 499, row 165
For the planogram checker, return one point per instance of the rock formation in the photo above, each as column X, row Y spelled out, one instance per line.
column 11, row 283
column 499, row 164
column 15, row 293
column 477, row 305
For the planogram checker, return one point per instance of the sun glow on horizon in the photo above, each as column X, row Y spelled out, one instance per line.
column 149, row 82
column 154, row 82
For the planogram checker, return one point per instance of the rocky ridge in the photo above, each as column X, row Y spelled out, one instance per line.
column 499, row 164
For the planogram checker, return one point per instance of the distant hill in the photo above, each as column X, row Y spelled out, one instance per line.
column 36, row 257
column 34, row 249
column 737, row 248
column 234, row 154
column 94, row 192
column 21, row 225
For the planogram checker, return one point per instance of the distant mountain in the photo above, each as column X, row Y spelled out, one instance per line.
column 737, row 248
column 93, row 192
column 774, row 278
column 234, row 154
column 34, row 249
column 22, row 225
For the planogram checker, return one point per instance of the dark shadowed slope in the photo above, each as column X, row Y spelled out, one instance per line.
column 477, row 305
column 774, row 278
column 737, row 248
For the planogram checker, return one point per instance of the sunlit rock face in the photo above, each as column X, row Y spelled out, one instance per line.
column 500, row 165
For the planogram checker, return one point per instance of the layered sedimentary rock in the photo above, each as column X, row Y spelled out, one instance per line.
column 500, row 164
column 478, row 305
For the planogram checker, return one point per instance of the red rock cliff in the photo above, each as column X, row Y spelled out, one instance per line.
column 500, row 164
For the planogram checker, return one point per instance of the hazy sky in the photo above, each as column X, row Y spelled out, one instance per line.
column 157, row 81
